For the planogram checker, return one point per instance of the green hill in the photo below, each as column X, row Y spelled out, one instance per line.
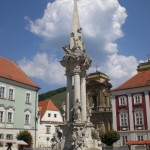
column 58, row 96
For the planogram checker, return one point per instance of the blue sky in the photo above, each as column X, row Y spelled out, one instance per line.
column 116, row 35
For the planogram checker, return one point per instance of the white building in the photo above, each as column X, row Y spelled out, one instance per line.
column 50, row 117
column 131, row 109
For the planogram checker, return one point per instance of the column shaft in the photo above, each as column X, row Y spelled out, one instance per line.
column 69, row 115
column 83, row 99
column 76, row 87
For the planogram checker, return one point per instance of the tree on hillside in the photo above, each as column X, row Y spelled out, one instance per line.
column 110, row 137
column 26, row 136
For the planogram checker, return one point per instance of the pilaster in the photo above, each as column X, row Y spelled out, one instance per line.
column 130, row 112
column 147, row 108
column 114, row 112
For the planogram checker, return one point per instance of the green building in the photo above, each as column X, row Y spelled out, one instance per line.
column 18, row 103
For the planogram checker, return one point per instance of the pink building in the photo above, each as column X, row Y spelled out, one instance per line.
column 131, row 107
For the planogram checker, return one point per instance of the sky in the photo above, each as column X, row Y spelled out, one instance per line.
column 116, row 35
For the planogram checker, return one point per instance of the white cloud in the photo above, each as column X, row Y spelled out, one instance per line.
column 101, row 21
column 45, row 68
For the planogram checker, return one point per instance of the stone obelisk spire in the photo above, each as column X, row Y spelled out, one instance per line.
column 76, row 30
column 76, row 62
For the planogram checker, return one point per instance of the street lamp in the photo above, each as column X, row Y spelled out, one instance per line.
column 36, row 120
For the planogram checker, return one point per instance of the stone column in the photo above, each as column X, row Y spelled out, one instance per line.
column 147, row 108
column 83, row 98
column 69, row 104
column 130, row 112
column 76, row 85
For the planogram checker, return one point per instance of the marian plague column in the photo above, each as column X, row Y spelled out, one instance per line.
column 78, row 133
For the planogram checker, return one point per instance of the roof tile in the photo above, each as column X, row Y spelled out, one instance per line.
column 141, row 79
column 46, row 105
column 9, row 70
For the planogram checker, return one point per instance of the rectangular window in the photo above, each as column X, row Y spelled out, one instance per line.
column 1, row 137
column 28, row 97
column 139, row 118
column 124, row 140
column 140, row 137
column 137, row 99
column 122, row 100
column 27, row 119
column 123, row 119
column 48, row 130
column 49, row 115
column 9, row 118
column 9, row 136
column 1, row 116
column 55, row 115
column 11, row 94
column 2, row 92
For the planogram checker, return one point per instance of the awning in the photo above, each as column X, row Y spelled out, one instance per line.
column 144, row 142
column 7, row 141
column 19, row 142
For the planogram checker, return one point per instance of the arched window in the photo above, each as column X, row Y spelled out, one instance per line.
column 27, row 117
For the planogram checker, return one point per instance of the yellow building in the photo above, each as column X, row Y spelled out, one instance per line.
column 98, row 97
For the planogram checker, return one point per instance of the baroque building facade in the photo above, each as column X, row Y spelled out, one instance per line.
column 98, row 97
column 18, row 103
column 131, row 109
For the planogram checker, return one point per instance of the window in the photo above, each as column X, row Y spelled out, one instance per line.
column 124, row 140
column 2, row 91
column 138, row 118
column 140, row 137
column 1, row 137
column 9, row 137
column 48, row 130
column 123, row 119
column 11, row 94
column 27, row 119
column 49, row 115
column 9, row 117
column 55, row 115
column 28, row 97
column 122, row 100
column 1, row 116
column 137, row 99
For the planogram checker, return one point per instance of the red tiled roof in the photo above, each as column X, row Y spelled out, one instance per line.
column 9, row 70
column 141, row 79
column 46, row 105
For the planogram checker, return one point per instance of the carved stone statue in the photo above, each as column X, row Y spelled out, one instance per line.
column 56, row 136
column 77, row 110
column 78, row 138
column 89, row 111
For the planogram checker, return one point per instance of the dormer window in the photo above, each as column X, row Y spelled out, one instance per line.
column 122, row 100
column 137, row 98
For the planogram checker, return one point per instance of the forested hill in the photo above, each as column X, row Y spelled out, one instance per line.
column 58, row 96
